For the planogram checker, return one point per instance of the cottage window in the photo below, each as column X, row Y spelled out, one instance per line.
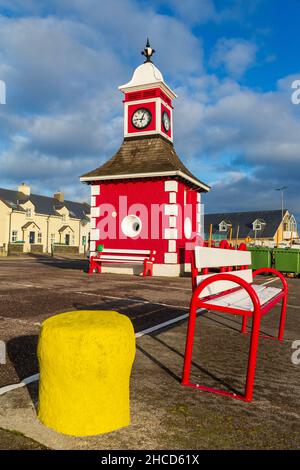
column 52, row 238
column 14, row 236
column 28, row 213
column 39, row 237
column 223, row 227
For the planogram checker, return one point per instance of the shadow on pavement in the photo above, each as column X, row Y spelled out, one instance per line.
column 22, row 352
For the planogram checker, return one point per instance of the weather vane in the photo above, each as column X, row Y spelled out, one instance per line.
column 148, row 52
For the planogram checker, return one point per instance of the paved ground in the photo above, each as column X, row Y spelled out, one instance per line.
column 164, row 414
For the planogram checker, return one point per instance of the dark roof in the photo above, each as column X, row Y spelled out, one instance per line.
column 43, row 204
column 143, row 155
column 244, row 220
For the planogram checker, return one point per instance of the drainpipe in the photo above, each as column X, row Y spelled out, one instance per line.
column 79, row 244
column 47, row 239
column 9, row 230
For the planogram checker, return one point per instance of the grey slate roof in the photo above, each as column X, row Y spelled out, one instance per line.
column 44, row 204
column 143, row 155
column 244, row 220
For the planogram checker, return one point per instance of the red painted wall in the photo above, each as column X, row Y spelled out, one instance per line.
column 145, row 196
column 148, row 105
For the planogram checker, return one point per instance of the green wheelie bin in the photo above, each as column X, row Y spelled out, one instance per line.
column 261, row 257
column 287, row 260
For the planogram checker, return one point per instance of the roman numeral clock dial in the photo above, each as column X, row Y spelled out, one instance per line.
column 141, row 118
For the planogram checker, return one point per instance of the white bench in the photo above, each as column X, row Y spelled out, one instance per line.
column 120, row 256
column 232, row 291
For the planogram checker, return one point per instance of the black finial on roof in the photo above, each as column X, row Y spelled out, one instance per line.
column 148, row 52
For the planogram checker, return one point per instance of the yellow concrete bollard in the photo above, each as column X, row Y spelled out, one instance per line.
column 85, row 362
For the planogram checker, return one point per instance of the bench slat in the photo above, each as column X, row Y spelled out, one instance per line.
column 219, row 257
column 221, row 286
column 241, row 300
column 134, row 252
column 121, row 258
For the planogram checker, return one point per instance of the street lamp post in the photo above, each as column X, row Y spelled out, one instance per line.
column 282, row 189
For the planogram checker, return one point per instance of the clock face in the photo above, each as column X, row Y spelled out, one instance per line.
column 166, row 121
column 141, row 118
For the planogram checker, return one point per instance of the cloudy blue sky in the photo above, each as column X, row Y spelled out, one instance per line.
column 231, row 62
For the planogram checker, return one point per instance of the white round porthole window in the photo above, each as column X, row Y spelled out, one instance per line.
column 188, row 227
column 131, row 226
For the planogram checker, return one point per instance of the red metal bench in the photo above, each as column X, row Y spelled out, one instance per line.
column 233, row 293
column 121, row 256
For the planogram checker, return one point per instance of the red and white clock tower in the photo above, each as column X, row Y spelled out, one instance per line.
column 144, row 197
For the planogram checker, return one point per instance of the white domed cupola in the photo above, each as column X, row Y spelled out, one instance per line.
column 148, row 101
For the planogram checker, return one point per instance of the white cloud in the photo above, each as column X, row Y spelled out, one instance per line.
column 235, row 55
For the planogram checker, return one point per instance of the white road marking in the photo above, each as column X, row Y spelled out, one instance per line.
column 139, row 334
column 28, row 380
column 22, row 322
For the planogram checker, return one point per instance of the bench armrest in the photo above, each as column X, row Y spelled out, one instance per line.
column 226, row 277
column 272, row 271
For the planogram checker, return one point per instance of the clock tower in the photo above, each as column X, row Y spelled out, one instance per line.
column 148, row 101
column 144, row 197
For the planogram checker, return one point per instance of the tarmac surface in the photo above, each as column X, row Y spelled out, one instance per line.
column 165, row 415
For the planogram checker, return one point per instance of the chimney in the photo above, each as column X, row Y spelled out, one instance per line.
column 25, row 189
column 59, row 196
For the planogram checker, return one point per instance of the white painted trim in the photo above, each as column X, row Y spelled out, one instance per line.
column 171, row 209
column 93, row 201
column 171, row 258
column 146, row 175
column 171, row 186
column 158, row 116
column 198, row 216
column 95, row 190
column 125, row 118
column 199, row 197
column 92, row 246
column 172, row 221
column 93, row 222
column 95, row 211
column 147, row 86
column 170, row 234
column 171, row 246
column 95, row 234
column 172, row 198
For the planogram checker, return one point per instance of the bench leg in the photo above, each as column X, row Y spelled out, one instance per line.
column 282, row 318
column 148, row 268
column 244, row 325
column 189, row 347
column 94, row 266
column 252, row 356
